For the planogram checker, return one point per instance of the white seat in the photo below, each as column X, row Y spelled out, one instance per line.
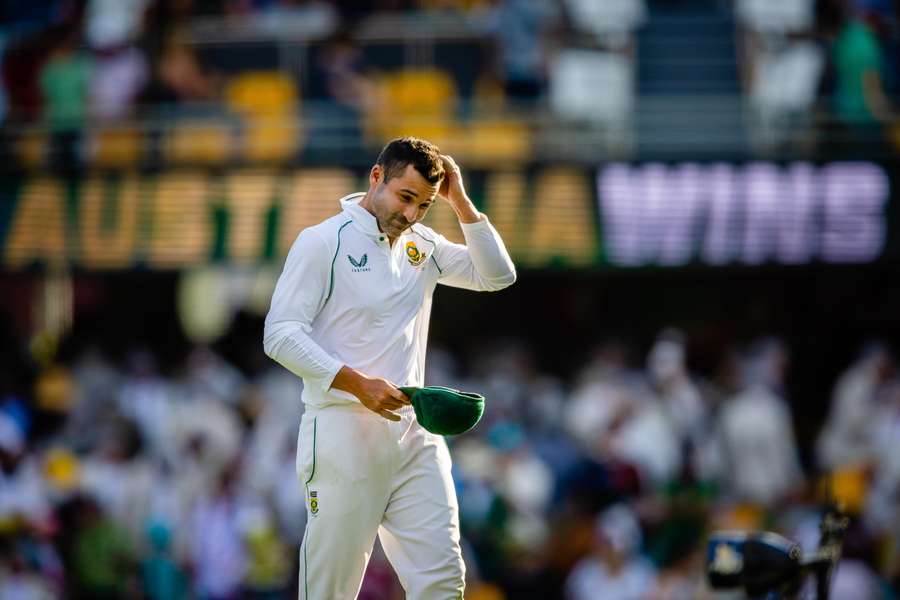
column 776, row 16
column 784, row 89
column 602, row 17
column 591, row 85
column 787, row 81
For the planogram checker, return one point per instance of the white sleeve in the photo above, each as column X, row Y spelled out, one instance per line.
column 482, row 264
column 299, row 295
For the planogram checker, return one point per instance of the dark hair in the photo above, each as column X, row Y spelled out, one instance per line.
column 423, row 155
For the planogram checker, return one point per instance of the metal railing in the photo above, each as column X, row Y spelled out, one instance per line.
column 658, row 127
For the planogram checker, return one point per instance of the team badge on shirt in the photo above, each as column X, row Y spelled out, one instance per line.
column 415, row 257
column 313, row 502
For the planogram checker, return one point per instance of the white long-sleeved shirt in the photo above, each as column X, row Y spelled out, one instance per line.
column 347, row 297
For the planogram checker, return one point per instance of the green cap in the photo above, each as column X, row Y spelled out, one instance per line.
column 445, row 411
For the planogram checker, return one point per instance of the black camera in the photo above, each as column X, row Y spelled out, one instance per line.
column 763, row 563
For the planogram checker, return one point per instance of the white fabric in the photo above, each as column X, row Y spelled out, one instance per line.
column 592, row 579
column 619, row 527
column 649, row 442
column 846, row 439
column 854, row 579
column 369, row 475
column 124, row 490
column 328, row 312
column 882, row 510
column 23, row 493
column 147, row 400
column 527, row 483
column 217, row 548
column 23, row 586
column 758, row 436
column 116, row 81
column 113, row 23
column 591, row 412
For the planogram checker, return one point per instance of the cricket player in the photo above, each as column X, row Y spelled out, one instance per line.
column 350, row 316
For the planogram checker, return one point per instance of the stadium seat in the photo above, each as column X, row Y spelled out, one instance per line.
column 610, row 17
column 591, row 85
column 787, row 80
column 116, row 146
column 261, row 93
column 198, row 142
column 782, row 73
column 491, row 141
column 420, row 102
column 776, row 16
column 595, row 90
column 269, row 105
column 31, row 148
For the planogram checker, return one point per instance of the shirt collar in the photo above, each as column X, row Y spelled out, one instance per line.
column 362, row 218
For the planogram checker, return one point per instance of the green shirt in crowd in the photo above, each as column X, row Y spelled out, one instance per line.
column 856, row 52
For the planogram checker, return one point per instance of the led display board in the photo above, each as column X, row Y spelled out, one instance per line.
column 617, row 215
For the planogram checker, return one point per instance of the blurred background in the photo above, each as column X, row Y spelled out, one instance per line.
column 701, row 198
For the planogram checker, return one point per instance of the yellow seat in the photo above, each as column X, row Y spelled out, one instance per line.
column 261, row 93
column 269, row 104
column 493, row 141
column 31, row 148
column 419, row 102
column 116, row 146
column 199, row 142
column 270, row 139
column 421, row 92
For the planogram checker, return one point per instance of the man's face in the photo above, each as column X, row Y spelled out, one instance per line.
column 401, row 201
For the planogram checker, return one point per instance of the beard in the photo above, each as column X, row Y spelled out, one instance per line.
column 394, row 225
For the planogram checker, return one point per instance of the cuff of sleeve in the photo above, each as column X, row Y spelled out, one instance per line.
column 328, row 379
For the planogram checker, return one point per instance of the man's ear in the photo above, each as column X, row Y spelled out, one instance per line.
column 375, row 175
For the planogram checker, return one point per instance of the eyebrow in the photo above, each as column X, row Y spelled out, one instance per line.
column 409, row 191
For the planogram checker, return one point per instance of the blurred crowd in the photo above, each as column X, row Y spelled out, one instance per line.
column 73, row 64
column 121, row 480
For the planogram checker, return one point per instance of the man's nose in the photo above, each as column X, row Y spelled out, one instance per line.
column 410, row 212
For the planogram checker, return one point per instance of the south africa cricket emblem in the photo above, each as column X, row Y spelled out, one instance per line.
column 314, row 502
column 413, row 255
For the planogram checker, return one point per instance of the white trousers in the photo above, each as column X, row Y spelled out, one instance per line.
column 364, row 475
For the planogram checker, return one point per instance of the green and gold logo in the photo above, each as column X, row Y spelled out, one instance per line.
column 415, row 257
column 314, row 502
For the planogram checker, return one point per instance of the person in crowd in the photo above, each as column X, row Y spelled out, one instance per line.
column 64, row 82
column 757, row 434
column 615, row 564
column 845, row 440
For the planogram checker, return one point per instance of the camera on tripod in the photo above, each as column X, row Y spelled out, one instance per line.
column 764, row 563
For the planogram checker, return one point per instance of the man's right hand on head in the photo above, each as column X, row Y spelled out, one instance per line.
column 375, row 393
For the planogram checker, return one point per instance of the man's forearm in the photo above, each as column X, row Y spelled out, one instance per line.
column 292, row 348
column 375, row 393
column 348, row 380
